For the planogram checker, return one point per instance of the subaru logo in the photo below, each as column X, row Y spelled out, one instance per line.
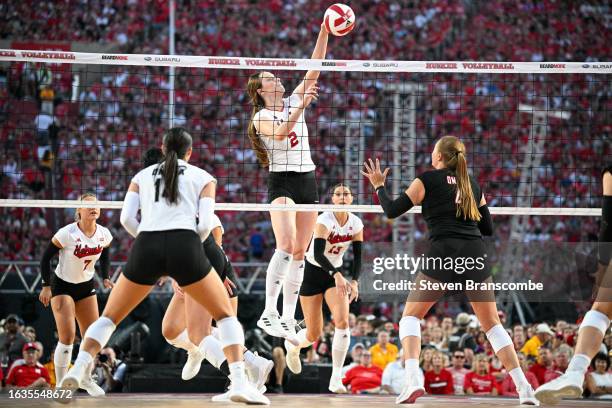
column 147, row 58
column 585, row 65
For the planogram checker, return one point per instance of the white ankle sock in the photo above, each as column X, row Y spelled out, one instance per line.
column 340, row 345
column 580, row 363
column 61, row 360
column 518, row 376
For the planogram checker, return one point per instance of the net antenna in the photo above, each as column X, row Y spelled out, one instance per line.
column 532, row 153
column 402, row 98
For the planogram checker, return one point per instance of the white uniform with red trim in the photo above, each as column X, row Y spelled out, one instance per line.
column 339, row 239
column 293, row 152
column 79, row 252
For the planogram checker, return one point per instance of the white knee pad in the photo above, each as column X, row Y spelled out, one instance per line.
column 409, row 326
column 596, row 319
column 230, row 331
column 498, row 337
column 101, row 330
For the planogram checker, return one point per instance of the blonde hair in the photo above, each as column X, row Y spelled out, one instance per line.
column 258, row 104
column 83, row 196
column 453, row 156
column 480, row 357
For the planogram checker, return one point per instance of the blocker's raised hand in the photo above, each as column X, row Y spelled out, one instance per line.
column 374, row 173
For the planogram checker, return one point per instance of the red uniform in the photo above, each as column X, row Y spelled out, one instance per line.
column 480, row 384
column 439, row 383
column 22, row 375
column 362, row 378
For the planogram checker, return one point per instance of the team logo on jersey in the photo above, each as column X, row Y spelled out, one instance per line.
column 83, row 251
column 338, row 238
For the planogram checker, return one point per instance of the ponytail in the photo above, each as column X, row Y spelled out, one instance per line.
column 258, row 103
column 453, row 155
column 467, row 204
column 177, row 142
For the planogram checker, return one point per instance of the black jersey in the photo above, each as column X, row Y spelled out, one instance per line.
column 439, row 207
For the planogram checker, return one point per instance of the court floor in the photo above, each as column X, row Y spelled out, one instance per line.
column 284, row 400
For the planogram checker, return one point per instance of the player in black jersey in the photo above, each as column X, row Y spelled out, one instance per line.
column 596, row 321
column 457, row 216
column 188, row 325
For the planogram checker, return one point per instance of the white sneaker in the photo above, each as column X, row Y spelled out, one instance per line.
column 290, row 326
column 93, row 389
column 293, row 358
column 271, row 324
column 336, row 386
column 244, row 392
column 71, row 381
column 193, row 364
column 225, row 397
column 412, row 390
column 527, row 397
column 569, row 385
column 258, row 373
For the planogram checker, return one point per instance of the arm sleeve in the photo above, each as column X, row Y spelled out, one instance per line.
column 205, row 216
column 605, row 233
column 105, row 263
column 45, row 263
column 356, row 272
column 485, row 225
column 319, row 256
column 393, row 208
column 128, row 219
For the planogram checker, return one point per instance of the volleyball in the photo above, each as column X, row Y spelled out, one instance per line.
column 339, row 19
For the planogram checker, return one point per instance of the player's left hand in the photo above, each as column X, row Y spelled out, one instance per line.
column 108, row 284
column 374, row 173
column 229, row 285
column 354, row 295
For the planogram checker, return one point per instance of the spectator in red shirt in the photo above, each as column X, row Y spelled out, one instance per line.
column 509, row 389
column 458, row 371
column 543, row 364
column 438, row 380
column 364, row 378
column 562, row 357
column 29, row 373
column 479, row 381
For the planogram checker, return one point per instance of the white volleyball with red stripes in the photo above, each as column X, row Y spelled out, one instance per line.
column 339, row 19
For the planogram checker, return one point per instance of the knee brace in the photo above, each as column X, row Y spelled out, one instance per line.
column 594, row 318
column 498, row 337
column 230, row 331
column 409, row 326
column 101, row 330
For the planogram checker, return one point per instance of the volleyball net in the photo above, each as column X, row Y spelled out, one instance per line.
column 537, row 134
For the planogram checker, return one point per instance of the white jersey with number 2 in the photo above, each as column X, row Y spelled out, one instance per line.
column 293, row 152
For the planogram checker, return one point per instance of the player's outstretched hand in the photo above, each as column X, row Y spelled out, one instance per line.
column 311, row 94
column 374, row 173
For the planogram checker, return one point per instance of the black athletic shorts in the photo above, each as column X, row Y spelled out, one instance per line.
column 316, row 280
column 77, row 291
column 175, row 253
column 457, row 260
column 220, row 262
column 300, row 187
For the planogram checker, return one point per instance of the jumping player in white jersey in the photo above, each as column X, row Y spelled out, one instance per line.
column 188, row 325
column 334, row 233
column 595, row 324
column 70, row 289
column 170, row 196
column 279, row 136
